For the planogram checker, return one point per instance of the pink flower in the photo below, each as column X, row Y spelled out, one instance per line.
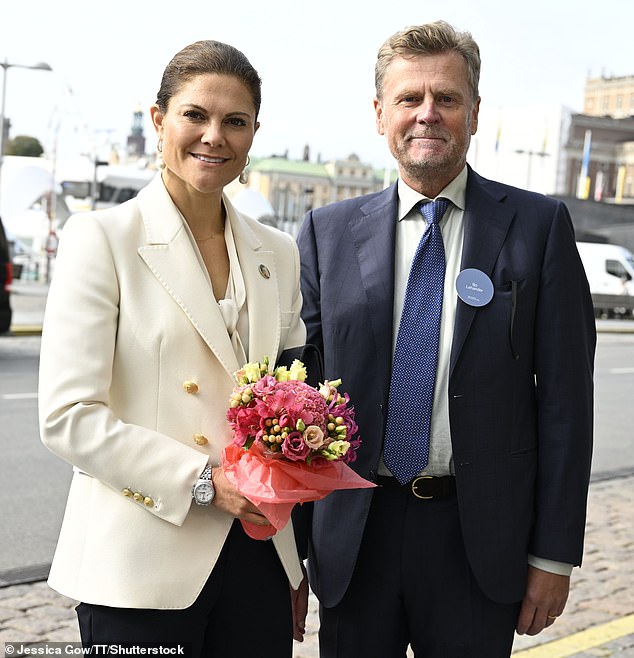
column 245, row 424
column 264, row 386
column 314, row 437
column 304, row 402
column 294, row 448
column 290, row 419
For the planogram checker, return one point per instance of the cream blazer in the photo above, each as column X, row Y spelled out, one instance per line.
column 136, row 370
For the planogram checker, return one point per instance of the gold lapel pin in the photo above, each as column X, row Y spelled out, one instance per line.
column 264, row 271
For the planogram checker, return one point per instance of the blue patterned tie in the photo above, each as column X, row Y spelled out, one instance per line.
column 406, row 449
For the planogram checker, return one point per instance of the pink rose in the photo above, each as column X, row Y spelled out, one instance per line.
column 294, row 448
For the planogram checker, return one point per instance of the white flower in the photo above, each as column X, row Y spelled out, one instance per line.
column 282, row 374
column 252, row 372
column 298, row 371
column 336, row 450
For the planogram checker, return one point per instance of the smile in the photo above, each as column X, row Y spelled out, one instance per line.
column 209, row 159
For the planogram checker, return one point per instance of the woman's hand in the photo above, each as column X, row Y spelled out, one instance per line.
column 231, row 501
column 299, row 604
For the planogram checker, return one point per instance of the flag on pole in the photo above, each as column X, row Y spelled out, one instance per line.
column 583, row 185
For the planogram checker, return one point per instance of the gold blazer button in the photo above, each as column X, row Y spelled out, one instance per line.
column 138, row 497
column 200, row 440
column 148, row 502
column 190, row 387
column 127, row 493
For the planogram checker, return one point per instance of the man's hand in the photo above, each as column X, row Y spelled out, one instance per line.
column 230, row 500
column 299, row 603
column 544, row 600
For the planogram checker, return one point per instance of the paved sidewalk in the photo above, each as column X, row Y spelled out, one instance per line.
column 602, row 595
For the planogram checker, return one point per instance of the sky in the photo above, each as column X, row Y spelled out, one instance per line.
column 316, row 61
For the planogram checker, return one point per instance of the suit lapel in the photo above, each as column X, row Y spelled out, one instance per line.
column 486, row 224
column 373, row 233
column 171, row 258
column 261, row 280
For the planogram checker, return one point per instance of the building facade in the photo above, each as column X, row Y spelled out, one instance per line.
column 609, row 96
column 599, row 155
column 293, row 187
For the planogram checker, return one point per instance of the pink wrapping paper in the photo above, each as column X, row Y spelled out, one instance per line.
column 275, row 485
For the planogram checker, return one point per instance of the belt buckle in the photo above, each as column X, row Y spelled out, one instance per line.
column 415, row 482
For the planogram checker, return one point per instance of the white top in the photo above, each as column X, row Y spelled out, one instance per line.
column 233, row 307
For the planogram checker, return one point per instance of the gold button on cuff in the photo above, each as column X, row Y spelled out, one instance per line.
column 190, row 387
column 127, row 493
column 138, row 497
column 148, row 502
column 200, row 439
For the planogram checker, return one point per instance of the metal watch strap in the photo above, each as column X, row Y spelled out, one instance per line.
column 203, row 491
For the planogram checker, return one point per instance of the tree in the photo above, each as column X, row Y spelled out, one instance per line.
column 24, row 145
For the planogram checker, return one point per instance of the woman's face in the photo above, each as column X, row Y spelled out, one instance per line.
column 207, row 132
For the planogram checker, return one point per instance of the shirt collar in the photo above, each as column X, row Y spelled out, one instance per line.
column 455, row 191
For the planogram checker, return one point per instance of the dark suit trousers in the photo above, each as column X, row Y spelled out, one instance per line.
column 243, row 611
column 413, row 585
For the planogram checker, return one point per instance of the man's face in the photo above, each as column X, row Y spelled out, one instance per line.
column 428, row 115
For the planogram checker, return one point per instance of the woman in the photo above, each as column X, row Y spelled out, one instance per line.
column 153, row 306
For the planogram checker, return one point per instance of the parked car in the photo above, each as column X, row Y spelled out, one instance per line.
column 6, row 277
column 610, row 272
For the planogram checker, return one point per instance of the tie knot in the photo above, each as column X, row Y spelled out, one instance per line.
column 433, row 211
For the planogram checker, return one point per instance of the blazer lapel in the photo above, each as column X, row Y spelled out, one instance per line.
column 171, row 258
column 486, row 224
column 261, row 280
column 373, row 233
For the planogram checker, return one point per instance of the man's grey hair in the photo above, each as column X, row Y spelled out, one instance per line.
column 429, row 39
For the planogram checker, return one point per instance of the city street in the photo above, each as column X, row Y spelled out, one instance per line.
column 599, row 619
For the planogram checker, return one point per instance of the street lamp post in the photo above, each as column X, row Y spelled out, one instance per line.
column 42, row 66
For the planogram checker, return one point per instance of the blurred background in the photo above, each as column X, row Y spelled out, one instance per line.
column 78, row 78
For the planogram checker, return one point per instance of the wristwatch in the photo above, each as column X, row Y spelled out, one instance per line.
column 203, row 492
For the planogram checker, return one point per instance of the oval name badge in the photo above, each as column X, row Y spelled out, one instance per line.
column 474, row 287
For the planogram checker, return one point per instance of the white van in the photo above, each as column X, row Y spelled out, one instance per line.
column 610, row 272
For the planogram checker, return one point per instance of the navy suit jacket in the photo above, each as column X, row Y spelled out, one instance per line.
column 520, row 387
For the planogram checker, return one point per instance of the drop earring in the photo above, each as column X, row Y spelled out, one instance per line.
column 244, row 174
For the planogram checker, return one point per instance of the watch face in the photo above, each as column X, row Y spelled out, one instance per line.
column 204, row 493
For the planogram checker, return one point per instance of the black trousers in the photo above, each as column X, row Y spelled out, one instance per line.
column 243, row 611
column 413, row 585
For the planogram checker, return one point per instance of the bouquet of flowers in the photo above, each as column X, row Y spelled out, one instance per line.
column 292, row 442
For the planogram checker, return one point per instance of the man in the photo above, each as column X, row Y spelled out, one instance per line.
column 478, row 533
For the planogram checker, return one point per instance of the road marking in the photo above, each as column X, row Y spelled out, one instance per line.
column 19, row 396
column 622, row 371
column 592, row 637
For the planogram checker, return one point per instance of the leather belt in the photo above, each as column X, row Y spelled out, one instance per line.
column 424, row 487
